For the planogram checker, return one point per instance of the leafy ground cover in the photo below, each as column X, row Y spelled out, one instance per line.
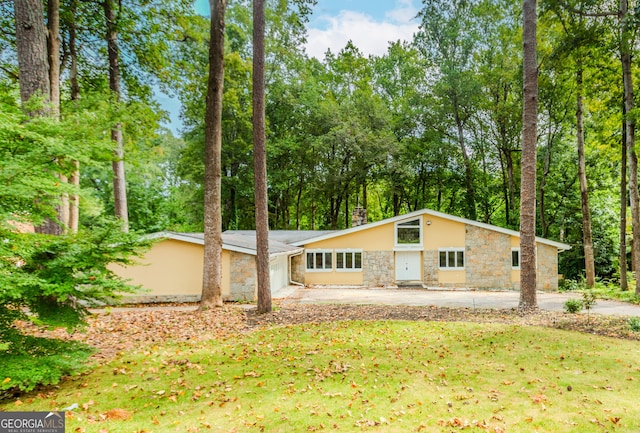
column 324, row 368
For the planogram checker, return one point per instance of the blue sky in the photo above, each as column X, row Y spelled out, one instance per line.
column 369, row 24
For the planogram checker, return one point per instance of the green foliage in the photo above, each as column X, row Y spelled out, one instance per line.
column 634, row 324
column 50, row 281
column 589, row 298
column 602, row 289
column 57, row 277
column 27, row 361
column 573, row 306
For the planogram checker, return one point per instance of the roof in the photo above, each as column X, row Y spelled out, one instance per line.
column 291, row 242
column 241, row 243
column 285, row 236
column 330, row 235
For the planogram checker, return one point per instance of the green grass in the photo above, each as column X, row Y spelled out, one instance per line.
column 364, row 376
column 609, row 290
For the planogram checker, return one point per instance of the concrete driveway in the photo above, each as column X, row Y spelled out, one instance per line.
column 441, row 298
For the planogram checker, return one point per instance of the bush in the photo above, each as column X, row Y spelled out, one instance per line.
column 634, row 324
column 32, row 361
column 50, row 281
column 589, row 298
column 573, row 306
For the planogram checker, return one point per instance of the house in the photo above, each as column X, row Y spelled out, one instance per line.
column 424, row 248
column 171, row 271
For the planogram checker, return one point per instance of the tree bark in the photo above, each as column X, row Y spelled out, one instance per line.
column 470, row 200
column 53, row 48
column 625, row 57
column 74, row 179
column 260, row 161
column 528, row 298
column 587, row 238
column 31, row 46
column 624, row 284
column 119, row 179
column 212, row 272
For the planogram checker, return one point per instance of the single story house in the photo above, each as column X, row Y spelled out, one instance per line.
column 171, row 271
column 424, row 248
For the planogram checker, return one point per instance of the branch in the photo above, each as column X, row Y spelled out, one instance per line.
column 12, row 74
column 587, row 14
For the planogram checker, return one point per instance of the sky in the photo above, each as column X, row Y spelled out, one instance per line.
column 369, row 24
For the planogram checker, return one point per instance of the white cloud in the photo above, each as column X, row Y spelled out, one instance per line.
column 369, row 35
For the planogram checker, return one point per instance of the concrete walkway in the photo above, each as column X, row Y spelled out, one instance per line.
column 456, row 298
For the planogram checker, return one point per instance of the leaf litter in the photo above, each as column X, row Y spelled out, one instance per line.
column 122, row 330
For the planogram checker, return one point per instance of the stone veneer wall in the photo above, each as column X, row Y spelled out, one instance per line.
column 488, row 259
column 547, row 277
column 430, row 267
column 242, row 281
column 378, row 268
column 298, row 268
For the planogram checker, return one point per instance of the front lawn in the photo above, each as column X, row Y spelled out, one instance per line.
column 387, row 376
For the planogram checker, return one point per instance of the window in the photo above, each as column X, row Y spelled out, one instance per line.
column 409, row 232
column 515, row 258
column 348, row 260
column 319, row 260
column 451, row 259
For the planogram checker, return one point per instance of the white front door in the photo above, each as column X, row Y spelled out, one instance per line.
column 408, row 265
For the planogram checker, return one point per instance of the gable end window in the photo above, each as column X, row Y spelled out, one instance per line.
column 409, row 233
column 348, row 260
column 451, row 258
column 319, row 260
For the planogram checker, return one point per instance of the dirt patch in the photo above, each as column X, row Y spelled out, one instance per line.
column 120, row 331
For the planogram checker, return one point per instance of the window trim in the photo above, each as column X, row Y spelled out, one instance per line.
column 353, row 252
column 322, row 251
column 419, row 226
column 455, row 252
column 515, row 250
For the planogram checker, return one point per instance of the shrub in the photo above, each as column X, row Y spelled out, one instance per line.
column 634, row 324
column 588, row 299
column 50, row 281
column 573, row 306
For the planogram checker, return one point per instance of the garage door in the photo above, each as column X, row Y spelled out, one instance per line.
column 278, row 273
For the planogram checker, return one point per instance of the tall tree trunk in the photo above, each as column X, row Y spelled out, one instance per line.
column 260, row 161
column 53, row 48
column 119, row 179
column 31, row 46
column 470, row 199
column 587, row 238
column 74, row 179
column 624, row 284
column 33, row 66
column 625, row 57
column 528, row 298
column 212, row 272
column 544, row 226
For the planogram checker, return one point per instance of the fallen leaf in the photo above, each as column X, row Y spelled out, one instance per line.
column 118, row 414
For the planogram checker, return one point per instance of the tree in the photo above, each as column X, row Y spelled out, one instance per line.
column 212, row 273
column 31, row 46
column 113, row 52
column 260, row 161
column 626, row 44
column 528, row 299
column 448, row 36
